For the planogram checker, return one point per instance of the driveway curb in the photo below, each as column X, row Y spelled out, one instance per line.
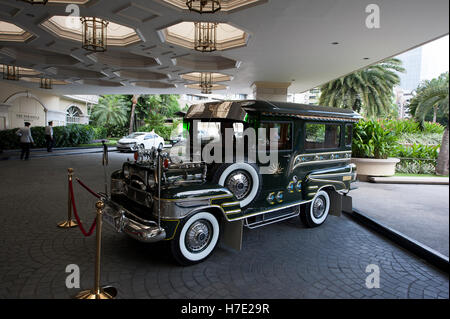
column 430, row 255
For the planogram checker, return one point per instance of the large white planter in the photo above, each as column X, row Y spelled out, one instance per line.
column 367, row 167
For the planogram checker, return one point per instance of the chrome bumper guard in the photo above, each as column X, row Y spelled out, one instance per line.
column 146, row 231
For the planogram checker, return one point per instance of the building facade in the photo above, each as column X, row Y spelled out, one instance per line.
column 19, row 105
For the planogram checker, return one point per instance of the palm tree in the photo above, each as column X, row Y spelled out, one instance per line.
column 433, row 96
column 369, row 89
column 110, row 110
column 134, row 101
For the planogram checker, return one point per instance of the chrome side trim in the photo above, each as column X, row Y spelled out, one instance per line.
column 230, row 204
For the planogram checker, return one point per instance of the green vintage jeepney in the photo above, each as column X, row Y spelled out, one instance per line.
column 289, row 160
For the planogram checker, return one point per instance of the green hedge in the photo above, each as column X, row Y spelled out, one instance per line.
column 410, row 126
column 163, row 131
column 65, row 136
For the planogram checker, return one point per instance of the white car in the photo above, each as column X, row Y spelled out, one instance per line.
column 143, row 139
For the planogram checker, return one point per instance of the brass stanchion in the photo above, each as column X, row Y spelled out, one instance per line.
column 69, row 223
column 98, row 292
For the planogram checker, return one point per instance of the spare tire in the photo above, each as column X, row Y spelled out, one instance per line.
column 242, row 179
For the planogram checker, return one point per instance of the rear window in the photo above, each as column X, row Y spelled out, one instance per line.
column 134, row 135
column 322, row 136
column 348, row 134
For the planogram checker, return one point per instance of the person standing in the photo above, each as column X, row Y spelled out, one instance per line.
column 49, row 136
column 25, row 140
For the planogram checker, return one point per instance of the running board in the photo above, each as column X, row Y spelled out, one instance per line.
column 267, row 221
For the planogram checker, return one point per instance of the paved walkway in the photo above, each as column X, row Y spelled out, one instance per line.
column 418, row 211
column 282, row 260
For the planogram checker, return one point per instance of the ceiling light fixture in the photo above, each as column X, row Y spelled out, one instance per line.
column 205, row 39
column 10, row 72
column 94, row 34
column 204, row 6
column 44, row 2
column 206, row 82
column 46, row 83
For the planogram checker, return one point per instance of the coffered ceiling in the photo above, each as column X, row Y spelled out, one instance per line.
column 305, row 42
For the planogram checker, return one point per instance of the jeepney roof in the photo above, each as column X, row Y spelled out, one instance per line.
column 237, row 110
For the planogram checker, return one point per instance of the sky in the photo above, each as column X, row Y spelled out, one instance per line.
column 435, row 56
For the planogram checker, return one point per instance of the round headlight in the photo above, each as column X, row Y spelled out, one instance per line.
column 280, row 197
column 271, row 198
column 290, row 187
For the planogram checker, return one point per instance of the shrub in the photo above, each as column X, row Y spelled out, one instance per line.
column 416, row 151
column 416, row 159
column 164, row 131
column 115, row 130
column 426, row 138
column 415, row 167
column 400, row 127
column 65, row 136
column 371, row 139
column 433, row 128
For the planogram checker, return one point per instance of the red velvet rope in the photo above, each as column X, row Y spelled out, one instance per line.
column 87, row 188
column 91, row 230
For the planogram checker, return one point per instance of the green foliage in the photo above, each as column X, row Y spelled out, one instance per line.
column 425, row 138
column 436, row 128
column 372, row 140
column 110, row 110
column 416, row 167
column 65, row 136
column 401, row 126
column 162, row 130
column 369, row 90
column 432, row 96
column 416, row 151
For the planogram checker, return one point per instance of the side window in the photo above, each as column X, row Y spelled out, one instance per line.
column 322, row 136
column 280, row 133
column 149, row 136
column 348, row 134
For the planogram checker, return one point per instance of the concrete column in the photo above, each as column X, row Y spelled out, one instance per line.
column 271, row 91
column 4, row 116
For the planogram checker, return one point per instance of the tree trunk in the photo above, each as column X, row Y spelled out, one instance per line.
column 435, row 109
column 442, row 161
column 133, row 109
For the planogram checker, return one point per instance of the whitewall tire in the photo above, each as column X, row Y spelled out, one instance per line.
column 316, row 212
column 196, row 239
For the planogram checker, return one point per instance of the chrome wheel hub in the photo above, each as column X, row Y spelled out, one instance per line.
column 239, row 183
column 198, row 236
column 319, row 207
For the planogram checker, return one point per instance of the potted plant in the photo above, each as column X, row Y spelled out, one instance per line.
column 372, row 145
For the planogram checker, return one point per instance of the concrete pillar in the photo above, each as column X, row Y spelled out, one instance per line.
column 271, row 91
column 4, row 116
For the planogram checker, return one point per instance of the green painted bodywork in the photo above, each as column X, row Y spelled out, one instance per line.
column 311, row 169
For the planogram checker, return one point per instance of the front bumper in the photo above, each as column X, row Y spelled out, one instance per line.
column 122, row 220
column 125, row 147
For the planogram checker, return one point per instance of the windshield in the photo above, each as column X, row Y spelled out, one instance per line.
column 134, row 135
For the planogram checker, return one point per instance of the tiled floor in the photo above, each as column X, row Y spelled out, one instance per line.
column 282, row 260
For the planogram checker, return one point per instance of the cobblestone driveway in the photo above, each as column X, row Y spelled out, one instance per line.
column 278, row 261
